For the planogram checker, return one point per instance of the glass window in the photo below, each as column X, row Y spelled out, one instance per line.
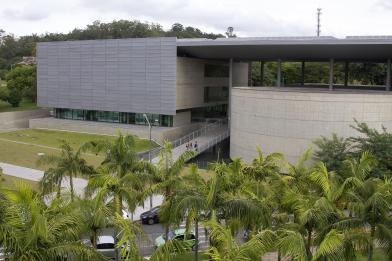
column 78, row 114
column 114, row 117
column 216, row 70
column 216, row 94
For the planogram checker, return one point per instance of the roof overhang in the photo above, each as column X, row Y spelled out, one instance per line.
column 289, row 48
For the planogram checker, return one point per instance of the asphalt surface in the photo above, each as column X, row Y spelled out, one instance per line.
column 151, row 232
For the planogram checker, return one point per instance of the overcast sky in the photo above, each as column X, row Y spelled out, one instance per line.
column 248, row 17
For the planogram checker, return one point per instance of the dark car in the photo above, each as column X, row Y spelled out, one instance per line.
column 150, row 217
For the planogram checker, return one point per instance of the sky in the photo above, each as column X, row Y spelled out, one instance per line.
column 248, row 17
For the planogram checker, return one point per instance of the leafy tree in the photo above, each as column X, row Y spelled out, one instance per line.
column 3, row 93
column 332, row 151
column 230, row 32
column 21, row 82
column 378, row 143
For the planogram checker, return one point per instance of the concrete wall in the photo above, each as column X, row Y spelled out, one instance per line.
column 126, row 75
column 181, row 118
column 191, row 80
column 240, row 74
column 158, row 133
column 20, row 119
column 288, row 121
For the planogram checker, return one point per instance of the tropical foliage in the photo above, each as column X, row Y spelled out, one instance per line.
column 297, row 211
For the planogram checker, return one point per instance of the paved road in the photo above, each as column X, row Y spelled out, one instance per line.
column 79, row 184
column 151, row 232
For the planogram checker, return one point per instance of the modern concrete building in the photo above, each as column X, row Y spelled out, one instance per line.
column 179, row 81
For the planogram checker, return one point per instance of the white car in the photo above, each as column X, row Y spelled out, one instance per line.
column 106, row 246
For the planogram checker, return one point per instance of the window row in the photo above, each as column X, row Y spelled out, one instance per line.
column 114, row 117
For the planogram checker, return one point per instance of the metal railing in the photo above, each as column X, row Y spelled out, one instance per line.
column 214, row 141
column 209, row 128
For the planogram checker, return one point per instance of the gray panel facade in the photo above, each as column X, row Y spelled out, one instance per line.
column 125, row 75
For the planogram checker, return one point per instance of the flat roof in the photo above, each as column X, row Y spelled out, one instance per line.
column 312, row 90
column 374, row 48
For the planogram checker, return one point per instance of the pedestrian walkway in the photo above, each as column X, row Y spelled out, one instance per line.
column 205, row 137
column 79, row 185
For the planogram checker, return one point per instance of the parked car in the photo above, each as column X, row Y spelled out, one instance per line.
column 125, row 214
column 105, row 245
column 2, row 255
column 178, row 234
column 150, row 217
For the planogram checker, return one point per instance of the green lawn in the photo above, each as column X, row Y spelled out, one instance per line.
column 24, row 106
column 26, row 155
column 9, row 182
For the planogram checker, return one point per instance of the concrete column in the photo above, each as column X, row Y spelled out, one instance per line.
column 261, row 73
column 303, row 73
column 250, row 83
column 279, row 74
column 388, row 81
column 230, row 86
column 331, row 74
column 346, row 64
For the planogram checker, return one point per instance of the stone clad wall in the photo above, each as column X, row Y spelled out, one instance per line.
column 159, row 134
column 20, row 119
column 126, row 75
column 191, row 80
column 288, row 121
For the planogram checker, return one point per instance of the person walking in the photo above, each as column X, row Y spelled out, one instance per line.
column 196, row 146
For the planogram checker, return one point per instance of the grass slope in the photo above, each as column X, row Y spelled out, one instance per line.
column 9, row 182
column 48, row 141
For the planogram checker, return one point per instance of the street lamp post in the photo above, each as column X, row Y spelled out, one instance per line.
column 149, row 153
column 149, row 126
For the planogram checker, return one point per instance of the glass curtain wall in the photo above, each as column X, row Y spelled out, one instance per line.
column 114, row 117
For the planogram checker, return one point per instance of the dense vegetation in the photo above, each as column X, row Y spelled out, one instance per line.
column 303, row 211
column 316, row 72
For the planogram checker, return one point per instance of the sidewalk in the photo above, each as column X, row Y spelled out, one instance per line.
column 79, row 184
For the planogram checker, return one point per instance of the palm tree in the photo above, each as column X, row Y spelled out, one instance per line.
column 115, row 191
column 370, row 207
column 167, row 175
column 40, row 232
column 129, row 232
column 68, row 164
column 95, row 216
column 122, row 166
column 195, row 202
column 227, row 249
column 122, row 176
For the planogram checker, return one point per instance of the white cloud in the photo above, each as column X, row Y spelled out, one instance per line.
column 248, row 17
